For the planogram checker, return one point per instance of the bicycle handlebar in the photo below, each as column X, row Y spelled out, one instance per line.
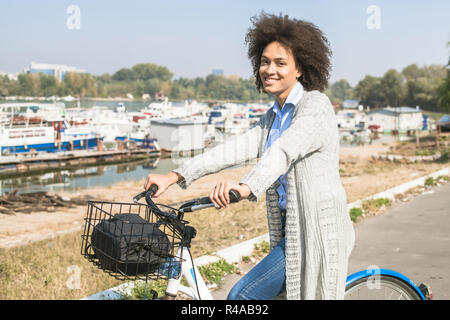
column 205, row 202
column 177, row 220
column 189, row 206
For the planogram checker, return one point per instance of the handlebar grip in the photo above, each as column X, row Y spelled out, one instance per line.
column 205, row 202
column 147, row 194
column 152, row 190
column 234, row 196
column 150, row 193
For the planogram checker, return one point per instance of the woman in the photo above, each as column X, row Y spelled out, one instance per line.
column 297, row 146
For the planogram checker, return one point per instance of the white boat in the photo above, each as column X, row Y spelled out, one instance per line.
column 113, row 125
column 230, row 118
column 187, row 110
column 41, row 127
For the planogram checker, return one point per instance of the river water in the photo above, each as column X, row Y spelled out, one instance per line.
column 88, row 177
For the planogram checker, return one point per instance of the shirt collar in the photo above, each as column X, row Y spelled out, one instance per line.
column 292, row 99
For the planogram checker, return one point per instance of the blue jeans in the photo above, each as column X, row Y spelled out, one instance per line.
column 266, row 280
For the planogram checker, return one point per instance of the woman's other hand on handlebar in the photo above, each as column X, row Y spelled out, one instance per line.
column 163, row 181
column 220, row 194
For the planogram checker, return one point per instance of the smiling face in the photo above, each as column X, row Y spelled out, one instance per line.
column 278, row 71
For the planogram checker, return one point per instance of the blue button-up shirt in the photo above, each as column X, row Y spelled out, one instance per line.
column 283, row 117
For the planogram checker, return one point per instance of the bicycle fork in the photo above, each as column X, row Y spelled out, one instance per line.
column 197, row 287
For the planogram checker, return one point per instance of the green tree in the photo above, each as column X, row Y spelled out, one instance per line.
column 422, row 85
column 368, row 91
column 73, row 83
column 444, row 94
column 176, row 91
column 49, row 86
column 29, row 84
column 89, row 85
column 4, row 86
column 341, row 90
column 428, row 95
column 124, row 74
column 412, row 74
column 146, row 71
column 444, row 89
column 392, row 88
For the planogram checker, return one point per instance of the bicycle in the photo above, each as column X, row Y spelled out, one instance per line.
column 161, row 250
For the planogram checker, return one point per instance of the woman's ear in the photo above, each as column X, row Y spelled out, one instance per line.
column 299, row 73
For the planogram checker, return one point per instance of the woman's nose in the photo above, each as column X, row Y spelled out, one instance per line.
column 270, row 69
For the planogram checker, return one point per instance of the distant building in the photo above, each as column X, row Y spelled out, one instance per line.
column 217, row 72
column 400, row 118
column 178, row 135
column 56, row 70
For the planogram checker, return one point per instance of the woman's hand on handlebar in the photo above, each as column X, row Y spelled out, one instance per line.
column 220, row 194
column 163, row 181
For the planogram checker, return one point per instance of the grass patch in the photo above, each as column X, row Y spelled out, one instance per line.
column 141, row 292
column 379, row 202
column 50, row 269
column 371, row 206
column 263, row 247
column 214, row 272
column 429, row 182
column 355, row 213
column 375, row 206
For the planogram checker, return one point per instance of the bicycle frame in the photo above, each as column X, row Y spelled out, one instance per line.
column 192, row 275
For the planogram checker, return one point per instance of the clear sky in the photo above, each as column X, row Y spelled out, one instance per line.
column 192, row 37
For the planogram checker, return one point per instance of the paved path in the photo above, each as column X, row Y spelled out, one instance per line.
column 412, row 238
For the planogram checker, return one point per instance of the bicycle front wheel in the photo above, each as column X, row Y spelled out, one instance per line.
column 381, row 287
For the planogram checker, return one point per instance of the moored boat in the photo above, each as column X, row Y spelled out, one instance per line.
column 35, row 127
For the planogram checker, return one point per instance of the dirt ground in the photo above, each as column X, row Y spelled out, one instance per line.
column 361, row 177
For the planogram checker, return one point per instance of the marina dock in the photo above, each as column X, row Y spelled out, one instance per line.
column 27, row 162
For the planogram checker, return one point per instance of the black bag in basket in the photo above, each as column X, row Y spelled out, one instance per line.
column 129, row 244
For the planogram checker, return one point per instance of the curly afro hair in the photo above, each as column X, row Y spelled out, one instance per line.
column 309, row 46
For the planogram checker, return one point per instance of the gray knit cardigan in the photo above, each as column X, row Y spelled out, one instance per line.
column 319, row 232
